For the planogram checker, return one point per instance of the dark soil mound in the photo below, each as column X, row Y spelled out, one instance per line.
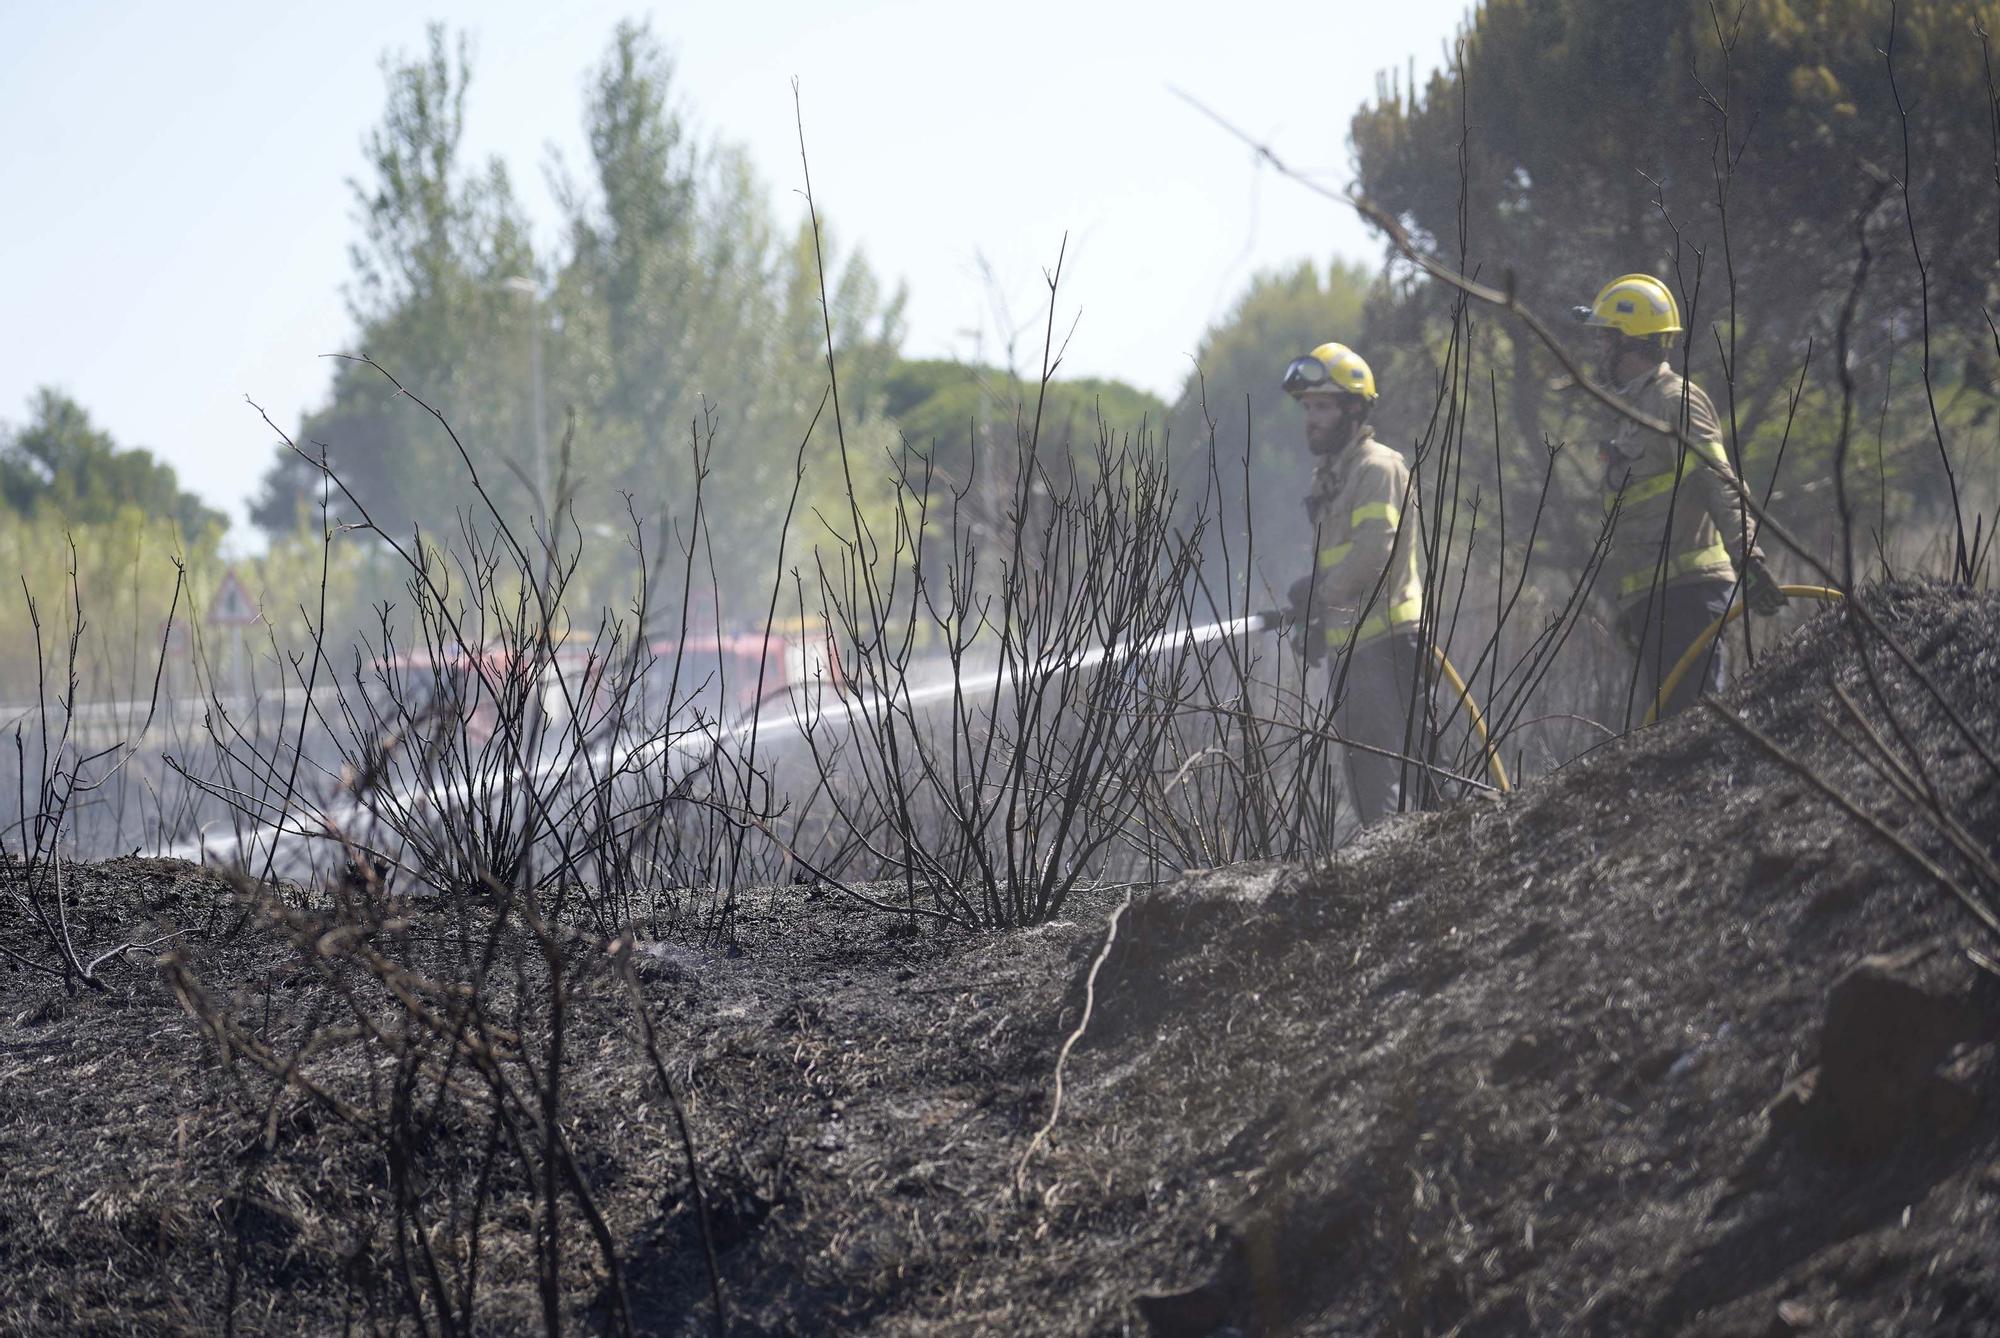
column 1667, row 1041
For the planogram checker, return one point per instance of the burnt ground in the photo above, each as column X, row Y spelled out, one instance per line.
column 1663, row 1042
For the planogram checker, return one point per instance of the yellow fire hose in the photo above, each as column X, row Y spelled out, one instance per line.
column 1701, row 644
column 1493, row 766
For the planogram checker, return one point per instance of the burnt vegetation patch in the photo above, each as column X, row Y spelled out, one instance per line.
column 1616, row 1121
column 1551, row 1059
column 1004, row 952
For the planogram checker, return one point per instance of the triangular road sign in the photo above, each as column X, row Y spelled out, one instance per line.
column 232, row 606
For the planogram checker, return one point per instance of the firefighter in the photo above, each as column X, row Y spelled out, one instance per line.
column 1364, row 602
column 1682, row 533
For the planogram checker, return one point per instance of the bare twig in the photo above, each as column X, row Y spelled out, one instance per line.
column 1069, row 1043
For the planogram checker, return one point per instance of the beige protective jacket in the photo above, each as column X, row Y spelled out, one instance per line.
column 1356, row 504
column 1678, row 519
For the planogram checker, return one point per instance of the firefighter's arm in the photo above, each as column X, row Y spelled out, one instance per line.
column 1722, row 494
column 1715, row 483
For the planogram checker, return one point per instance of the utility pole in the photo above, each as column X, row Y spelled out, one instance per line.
column 521, row 283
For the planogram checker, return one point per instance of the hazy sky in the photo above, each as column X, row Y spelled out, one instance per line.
column 177, row 211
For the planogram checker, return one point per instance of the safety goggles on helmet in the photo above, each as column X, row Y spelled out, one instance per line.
column 1307, row 376
column 1330, row 367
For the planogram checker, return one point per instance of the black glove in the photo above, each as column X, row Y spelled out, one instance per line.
column 1760, row 589
column 1295, row 598
column 1312, row 637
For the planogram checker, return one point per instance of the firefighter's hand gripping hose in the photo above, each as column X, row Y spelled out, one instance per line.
column 1826, row 594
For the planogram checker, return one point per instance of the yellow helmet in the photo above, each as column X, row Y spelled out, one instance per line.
column 1329, row 368
column 1636, row 304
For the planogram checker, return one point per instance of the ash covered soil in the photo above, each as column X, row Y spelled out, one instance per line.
column 1663, row 1042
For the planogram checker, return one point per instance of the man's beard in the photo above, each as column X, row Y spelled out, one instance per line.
column 1332, row 439
column 1608, row 371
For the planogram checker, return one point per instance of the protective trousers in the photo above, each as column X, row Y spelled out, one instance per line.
column 1382, row 678
column 1660, row 630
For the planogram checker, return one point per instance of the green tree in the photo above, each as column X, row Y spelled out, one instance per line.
column 678, row 313
column 688, row 315
column 970, row 421
column 430, row 305
column 970, row 426
column 943, row 406
column 631, row 286
column 63, row 465
column 1729, row 148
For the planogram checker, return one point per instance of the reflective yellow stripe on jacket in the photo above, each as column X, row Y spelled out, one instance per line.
column 1643, row 490
column 1385, row 512
column 1637, row 491
column 1680, row 565
column 1335, row 554
column 1406, row 614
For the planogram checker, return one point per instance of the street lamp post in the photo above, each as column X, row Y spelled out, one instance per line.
column 521, row 283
